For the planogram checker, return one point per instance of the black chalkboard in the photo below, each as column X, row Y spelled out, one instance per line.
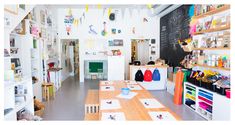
column 173, row 27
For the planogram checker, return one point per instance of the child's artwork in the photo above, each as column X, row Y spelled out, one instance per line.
column 162, row 116
column 108, row 104
column 113, row 31
column 151, row 103
column 113, row 116
column 92, row 30
column 107, row 88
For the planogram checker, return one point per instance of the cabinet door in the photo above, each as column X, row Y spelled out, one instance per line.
column 221, row 108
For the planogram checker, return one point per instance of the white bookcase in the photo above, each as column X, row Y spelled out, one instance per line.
column 220, row 104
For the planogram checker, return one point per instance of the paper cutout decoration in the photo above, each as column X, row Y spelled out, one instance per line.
column 83, row 15
column 80, row 20
column 119, row 31
column 133, row 30
column 130, row 12
column 104, row 11
column 149, row 6
column 99, row 6
column 86, row 8
column 68, row 21
column 75, row 22
column 145, row 19
column 104, row 31
column 91, row 30
column 123, row 12
column 109, row 11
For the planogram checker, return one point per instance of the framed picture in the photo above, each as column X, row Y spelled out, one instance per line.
column 13, row 9
column 118, row 42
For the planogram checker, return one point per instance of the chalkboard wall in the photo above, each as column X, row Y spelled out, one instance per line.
column 174, row 26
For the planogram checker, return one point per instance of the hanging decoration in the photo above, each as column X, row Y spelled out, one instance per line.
column 68, row 21
column 130, row 11
column 149, row 6
column 133, row 30
column 86, row 8
column 145, row 19
column 104, row 11
column 123, row 12
column 139, row 9
column 80, row 20
column 99, row 6
column 92, row 30
column 83, row 16
column 191, row 11
column 75, row 22
column 109, row 11
column 104, row 31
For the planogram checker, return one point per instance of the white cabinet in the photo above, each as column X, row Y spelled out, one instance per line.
column 221, row 108
column 116, row 67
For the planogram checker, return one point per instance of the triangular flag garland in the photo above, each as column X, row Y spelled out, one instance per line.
column 99, row 6
column 149, row 6
column 109, row 11
column 130, row 11
column 123, row 12
column 104, row 11
column 86, row 8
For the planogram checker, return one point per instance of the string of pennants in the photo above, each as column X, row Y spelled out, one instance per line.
column 69, row 19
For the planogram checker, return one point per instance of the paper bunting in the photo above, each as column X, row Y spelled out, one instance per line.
column 69, row 11
column 86, row 8
column 109, row 11
column 104, row 11
column 80, row 20
column 99, row 6
column 83, row 15
column 149, row 6
column 123, row 12
column 130, row 11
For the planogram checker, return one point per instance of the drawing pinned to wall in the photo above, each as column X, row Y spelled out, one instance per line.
column 68, row 21
column 92, row 30
column 133, row 30
column 22, row 6
column 113, row 30
column 130, row 11
column 119, row 31
column 75, row 22
column 104, row 31
column 145, row 19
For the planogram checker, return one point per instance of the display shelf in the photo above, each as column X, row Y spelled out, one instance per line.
column 219, row 48
column 206, row 117
column 214, row 67
column 212, row 30
column 212, row 12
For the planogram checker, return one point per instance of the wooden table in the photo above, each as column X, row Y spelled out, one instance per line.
column 132, row 108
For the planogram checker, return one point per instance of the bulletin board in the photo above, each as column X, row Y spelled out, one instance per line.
column 173, row 27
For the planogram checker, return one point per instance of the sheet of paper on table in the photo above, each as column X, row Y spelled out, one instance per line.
column 107, row 88
column 129, row 82
column 151, row 103
column 107, row 104
column 106, row 83
column 129, row 96
column 113, row 116
column 134, row 87
column 162, row 116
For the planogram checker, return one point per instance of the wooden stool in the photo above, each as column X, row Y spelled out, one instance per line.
column 92, row 117
column 48, row 91
column 92, row 102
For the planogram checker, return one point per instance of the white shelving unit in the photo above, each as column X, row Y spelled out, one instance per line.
column 217, row 102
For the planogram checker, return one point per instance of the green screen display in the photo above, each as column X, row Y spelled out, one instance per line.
column 95, row 67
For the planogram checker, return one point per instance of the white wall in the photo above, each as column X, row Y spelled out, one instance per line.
column 96, row 18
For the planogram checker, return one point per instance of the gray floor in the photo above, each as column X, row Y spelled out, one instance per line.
column 69, row 102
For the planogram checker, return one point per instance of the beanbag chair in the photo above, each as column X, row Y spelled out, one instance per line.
column 148, row 76
column 139, row 76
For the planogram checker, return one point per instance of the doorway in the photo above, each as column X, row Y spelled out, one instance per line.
column 70, row 57
column 140, row 50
